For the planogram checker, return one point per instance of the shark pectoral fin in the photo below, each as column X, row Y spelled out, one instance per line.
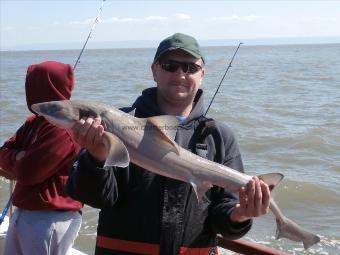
column 164, row 126
column 272, row 179
column 200, row 189
column 118, row 154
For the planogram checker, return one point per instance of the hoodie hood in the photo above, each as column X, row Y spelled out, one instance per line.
column 48, row 81
column 146, row 105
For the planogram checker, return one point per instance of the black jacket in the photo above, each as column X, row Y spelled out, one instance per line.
column 140, row 206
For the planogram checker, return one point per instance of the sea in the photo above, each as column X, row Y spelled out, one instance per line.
column 281, row 101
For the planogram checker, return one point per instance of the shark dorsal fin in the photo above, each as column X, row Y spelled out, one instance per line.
column 166, row 127
column 167, row 124
column 118, row 154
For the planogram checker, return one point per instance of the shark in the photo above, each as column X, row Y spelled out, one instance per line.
column 150, row 143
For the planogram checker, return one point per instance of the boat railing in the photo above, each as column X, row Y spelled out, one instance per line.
column 245, row 247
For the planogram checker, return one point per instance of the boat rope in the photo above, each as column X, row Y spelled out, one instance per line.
column 231, row 61
column 89, row 35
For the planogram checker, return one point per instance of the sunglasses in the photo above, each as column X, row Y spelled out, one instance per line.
column 172, row 66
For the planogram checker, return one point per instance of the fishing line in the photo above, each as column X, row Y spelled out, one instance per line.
column 89, row 35
column 231, row 61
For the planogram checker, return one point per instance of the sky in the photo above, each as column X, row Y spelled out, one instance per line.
column 33, row 24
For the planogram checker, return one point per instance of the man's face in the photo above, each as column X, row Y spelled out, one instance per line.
column 178, row 86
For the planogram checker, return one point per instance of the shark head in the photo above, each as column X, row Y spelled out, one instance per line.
column 59, row 113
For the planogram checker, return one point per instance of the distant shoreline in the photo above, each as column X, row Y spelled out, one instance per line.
column 142, row 44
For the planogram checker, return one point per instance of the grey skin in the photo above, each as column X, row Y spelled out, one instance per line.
column 149, row 143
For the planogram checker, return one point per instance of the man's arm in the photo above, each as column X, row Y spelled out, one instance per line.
column 10, row 151
column 7, row 175
column 89, row 182
column 232, row 213
column 232, row 217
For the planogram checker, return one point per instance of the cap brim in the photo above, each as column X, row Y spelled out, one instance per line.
column 178, row 48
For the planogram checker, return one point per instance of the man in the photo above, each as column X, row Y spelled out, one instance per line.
column 144, row 213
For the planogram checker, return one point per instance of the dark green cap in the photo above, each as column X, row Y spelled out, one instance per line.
column 179, row 41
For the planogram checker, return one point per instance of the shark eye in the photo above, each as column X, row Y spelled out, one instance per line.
column 54, row 108
column 87, row 113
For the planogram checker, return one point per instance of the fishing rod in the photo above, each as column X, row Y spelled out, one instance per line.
column 89, row 35
column 9, row 202
column 231, row 61
column 4, row 212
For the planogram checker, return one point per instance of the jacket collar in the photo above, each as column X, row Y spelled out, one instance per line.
column 146, row 105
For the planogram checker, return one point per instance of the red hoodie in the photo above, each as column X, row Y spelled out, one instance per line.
column 43, row 171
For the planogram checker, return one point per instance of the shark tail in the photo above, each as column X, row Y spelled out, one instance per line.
column 272, row 179
column 286, row 227
column 289, row 229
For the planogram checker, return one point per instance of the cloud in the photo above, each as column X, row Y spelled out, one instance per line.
column 155, row 18
column 118, row 20
column 134, row 20
column 131, row 20
column 322, row 19
column 182, row 16
column 235, row 18
column 9, row 28
column 83, row 22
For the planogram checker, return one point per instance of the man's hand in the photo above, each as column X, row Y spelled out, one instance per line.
column 254, row 201
column 89, row 135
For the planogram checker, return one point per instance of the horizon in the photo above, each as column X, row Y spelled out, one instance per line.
column 145, row 44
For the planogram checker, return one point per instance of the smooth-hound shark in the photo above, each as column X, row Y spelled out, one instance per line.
column 149, row 143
